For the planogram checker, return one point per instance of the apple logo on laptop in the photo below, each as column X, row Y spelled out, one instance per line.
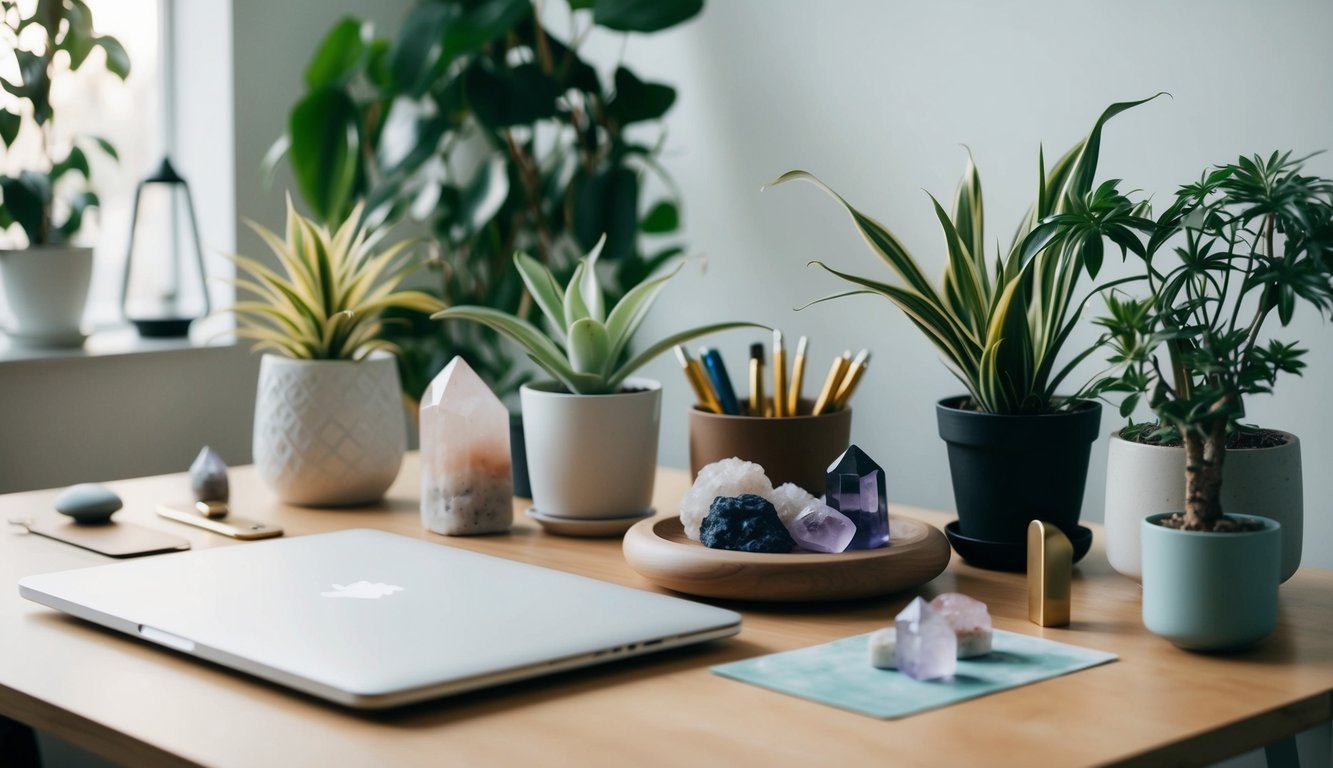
column 363, row 590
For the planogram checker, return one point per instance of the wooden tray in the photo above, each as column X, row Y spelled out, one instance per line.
column 661, row 552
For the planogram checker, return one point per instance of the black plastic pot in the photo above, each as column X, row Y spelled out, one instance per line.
column 1010, row 470
column 518, row 455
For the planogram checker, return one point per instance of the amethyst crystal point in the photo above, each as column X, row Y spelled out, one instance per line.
column 820, row 528
column 856, row 489
column 746, row 523
column 466, row 478
column 208, row 477
column 927, row 646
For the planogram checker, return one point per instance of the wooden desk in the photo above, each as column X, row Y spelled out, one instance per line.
column 142, row 705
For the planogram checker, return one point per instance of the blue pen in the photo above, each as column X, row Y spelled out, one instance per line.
column 717, row 373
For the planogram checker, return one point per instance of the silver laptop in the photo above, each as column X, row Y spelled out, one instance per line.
column 372, row 619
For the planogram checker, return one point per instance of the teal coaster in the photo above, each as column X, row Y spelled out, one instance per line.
column 839, row 674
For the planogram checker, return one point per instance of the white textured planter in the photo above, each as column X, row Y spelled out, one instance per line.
column 592, row 456
column 46, row 289
column 329, row 432
column 1142, row 480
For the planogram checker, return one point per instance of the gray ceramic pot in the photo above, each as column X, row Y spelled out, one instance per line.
column 1210, row 591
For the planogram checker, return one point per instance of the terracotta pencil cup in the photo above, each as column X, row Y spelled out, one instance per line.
column 791, row 449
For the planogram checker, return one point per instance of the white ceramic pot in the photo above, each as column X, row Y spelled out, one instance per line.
column 46, row 289
column 329, row 432
column 1142, row 480
column 592, row 456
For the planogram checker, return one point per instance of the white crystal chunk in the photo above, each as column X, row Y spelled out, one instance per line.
column 466, row 480
column 884, row 648
column 789, row 499
column 728, row 477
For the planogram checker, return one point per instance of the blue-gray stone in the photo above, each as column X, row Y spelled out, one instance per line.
column 208, row 477
column 746, row 523
column 88, row 503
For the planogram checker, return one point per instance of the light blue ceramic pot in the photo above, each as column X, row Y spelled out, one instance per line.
column 1210, row 591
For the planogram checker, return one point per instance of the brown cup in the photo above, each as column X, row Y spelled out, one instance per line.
column 795, row 449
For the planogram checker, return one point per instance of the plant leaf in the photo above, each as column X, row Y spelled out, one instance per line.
column 588, row 347
column 545, row 291
column 323, row 153
column 340, row 55
column 643, row 15
column 643, row 358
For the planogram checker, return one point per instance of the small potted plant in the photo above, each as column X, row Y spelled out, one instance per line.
column 329, row 426
column 1018, row 449
column 46, row 284
column 1250, row 240
column 591, row 431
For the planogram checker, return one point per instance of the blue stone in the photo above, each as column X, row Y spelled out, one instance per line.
column 88, row 503
column 746, row 523
column 855, row 487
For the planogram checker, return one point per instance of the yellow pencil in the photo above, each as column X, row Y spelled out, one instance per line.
column 835, row 374
column 757, row 380
column 851, row 379
column 797, row 375
column 779, row 376
column 703, row 393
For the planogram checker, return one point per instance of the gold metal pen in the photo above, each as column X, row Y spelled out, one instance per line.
column 757, row 380
column 703, row 393
column 851, row 379
column 779, row 376
column 797, row 375
column 830, row 388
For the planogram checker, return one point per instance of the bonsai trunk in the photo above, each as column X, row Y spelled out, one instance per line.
column 1204, row 451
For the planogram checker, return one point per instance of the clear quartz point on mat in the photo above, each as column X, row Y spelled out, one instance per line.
column 927, row 646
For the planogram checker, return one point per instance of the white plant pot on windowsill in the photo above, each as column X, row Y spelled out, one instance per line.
column 46, row 289
column 329, row 433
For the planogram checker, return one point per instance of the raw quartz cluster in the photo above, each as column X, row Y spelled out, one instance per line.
column 927, row 639
column 466, row 474
column 812, row 524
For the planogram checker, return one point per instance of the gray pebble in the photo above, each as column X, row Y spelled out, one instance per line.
column 88, row 503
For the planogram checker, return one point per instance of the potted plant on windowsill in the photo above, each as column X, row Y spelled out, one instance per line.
column 1018, row 450
column 591, row 431
column 1251, row 239
column 46, row 284
column 329, row 428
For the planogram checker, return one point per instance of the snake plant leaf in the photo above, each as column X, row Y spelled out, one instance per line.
column 1085, row 168
column 593, row 298
column 970, row 221
column 629, row 312
column 545, row 291
column 961, row 275
column 575, row 308
column 881, row 240
column 588, row 346
column 646, row 356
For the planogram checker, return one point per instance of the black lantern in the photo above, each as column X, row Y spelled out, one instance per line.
column 164, row 289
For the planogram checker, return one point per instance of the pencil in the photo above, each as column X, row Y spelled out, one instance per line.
column 835, row 374
column 797, row 374
column 703, row 393
column 851, row 379
column 779, row 376
column 756, row 379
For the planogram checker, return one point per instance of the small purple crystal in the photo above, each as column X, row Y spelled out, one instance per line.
column 819, row 528
column 855, row 487
column 927, row 646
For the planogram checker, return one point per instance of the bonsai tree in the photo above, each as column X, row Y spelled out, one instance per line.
column 1247, row 241
column 587, row 347
column 56, row 37
column 492, row 132
column 1001, row 324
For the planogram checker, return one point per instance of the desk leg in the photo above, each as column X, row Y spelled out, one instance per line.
column 18, row 744
column 1283, row 754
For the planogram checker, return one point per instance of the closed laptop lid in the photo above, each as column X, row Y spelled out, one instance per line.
column 371, row 618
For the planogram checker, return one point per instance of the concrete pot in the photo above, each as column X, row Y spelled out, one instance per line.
column 592, row 456
column 46, row 289
column 1148, row 479
column 329, row 433
column 1210, row 591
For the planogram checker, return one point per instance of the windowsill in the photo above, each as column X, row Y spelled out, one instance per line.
column 113, row 341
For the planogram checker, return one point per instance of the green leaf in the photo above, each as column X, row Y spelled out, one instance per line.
column 25, row 197
column 485, row 195
column 34, row 84
column 77, row 206
column 74, row 161
column 324, row 151
column 575, row 307
column 621, row 214
column 341, row 55
column 482, row 24
column 420, row 44
column 588, row 346
column 106, row 147
column 117, row 60
column 502, row 98
column 543, row 288
column 664, row 217
column 542, row 350
column 590, row 288
column 629, row 312
column 637, row 101
column 9, row 126
column 643, row 15
column 647, row 356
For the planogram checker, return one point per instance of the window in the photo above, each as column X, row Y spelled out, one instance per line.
column 128, row 114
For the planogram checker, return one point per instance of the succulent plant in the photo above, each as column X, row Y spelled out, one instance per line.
column 327, row 305
column 587, row 346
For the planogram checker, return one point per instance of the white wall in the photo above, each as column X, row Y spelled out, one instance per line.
column 878, row 97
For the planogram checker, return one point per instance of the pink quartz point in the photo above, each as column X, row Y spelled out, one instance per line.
column 970, row 621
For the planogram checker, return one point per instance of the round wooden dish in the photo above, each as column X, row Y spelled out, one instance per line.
column 661, row 552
